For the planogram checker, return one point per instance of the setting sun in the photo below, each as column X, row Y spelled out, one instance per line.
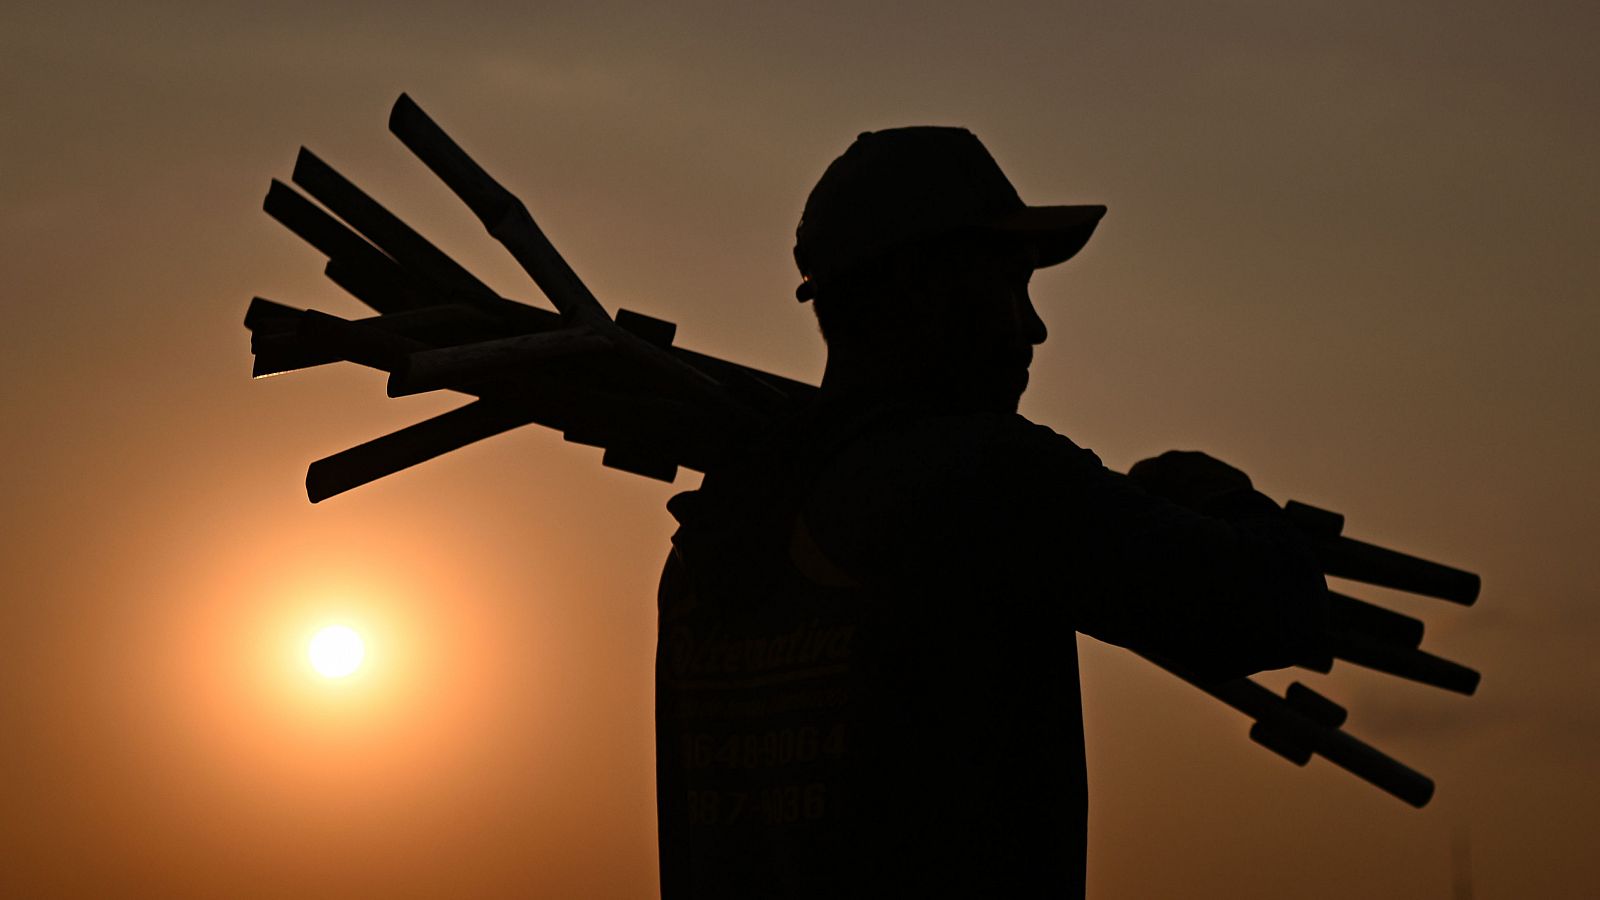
column 336, row 651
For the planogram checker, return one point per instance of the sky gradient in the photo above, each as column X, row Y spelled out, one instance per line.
column 1349, row 250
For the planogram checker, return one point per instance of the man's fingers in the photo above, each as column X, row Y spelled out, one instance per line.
column 1188, row 477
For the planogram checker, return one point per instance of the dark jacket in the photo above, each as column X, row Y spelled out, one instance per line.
column 867, row 678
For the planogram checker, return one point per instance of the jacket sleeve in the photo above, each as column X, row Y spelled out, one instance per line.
column 1225, row 591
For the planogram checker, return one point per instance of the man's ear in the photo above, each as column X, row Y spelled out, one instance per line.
column 931, row 282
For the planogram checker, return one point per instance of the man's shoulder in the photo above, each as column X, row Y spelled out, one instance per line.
column 915, row 445
column 929, row 470
column 898, row 459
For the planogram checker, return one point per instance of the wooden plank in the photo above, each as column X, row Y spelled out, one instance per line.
column 1384, row 625
column 445, row 367
column 336, row 241
column 505, row 217
column 391, row 453
column 383, row 286
column 1410, row 663
column 1285, row 723
column 384, row 229
column 1344, row 557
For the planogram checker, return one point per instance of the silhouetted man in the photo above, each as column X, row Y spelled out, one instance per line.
column 867, row 675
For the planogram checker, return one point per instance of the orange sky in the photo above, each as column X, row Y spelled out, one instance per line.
column 1348, row 249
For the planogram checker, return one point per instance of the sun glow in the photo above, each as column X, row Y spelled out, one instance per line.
column 336, row 651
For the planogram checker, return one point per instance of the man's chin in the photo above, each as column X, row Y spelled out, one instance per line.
column 1019, row 386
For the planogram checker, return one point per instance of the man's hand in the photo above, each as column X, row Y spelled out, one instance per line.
column 1189, row 478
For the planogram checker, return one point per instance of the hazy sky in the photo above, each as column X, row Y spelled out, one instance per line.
column 1349, row 249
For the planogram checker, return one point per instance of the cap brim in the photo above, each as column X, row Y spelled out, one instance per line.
column 1058, row 231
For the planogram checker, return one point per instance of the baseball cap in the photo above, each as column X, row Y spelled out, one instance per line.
column 900, row 185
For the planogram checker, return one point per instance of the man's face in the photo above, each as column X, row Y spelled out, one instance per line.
column 984, row 323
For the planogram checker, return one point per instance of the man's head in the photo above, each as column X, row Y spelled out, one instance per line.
column 917, row 251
